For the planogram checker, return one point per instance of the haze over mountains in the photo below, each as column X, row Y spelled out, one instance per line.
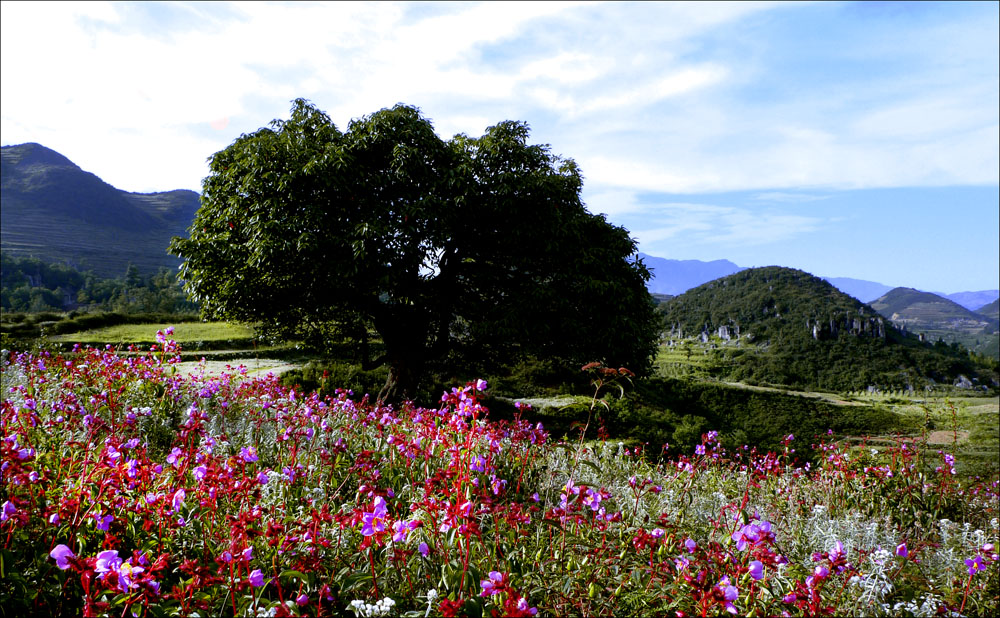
column 53, row 210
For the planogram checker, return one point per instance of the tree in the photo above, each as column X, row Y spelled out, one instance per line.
column 478, row 248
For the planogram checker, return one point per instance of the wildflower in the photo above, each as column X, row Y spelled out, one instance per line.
column 174, row 456
column 8, row 509
column 107, row 561
column 902, row 551
column 103, row 523
column 975, row 564
column 756, row 570
column 374, row 521
column 424, row 549
column 200, row 472
column 61, row 554
column 262, row 477
column 178, row 500
column 256, row 578
column 691, row 545
column 727, row 593
column 302, row 600
column 493, row 585
column 249, row 454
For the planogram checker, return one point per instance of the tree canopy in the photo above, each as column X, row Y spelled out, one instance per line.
column 479, row 248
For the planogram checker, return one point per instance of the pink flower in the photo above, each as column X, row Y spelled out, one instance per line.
column 61, row 554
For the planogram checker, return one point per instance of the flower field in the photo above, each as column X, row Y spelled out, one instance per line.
column 131, row 489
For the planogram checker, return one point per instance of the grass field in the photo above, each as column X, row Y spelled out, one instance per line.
column 189, row 332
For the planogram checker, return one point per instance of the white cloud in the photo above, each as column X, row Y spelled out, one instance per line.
column 646, row 97
column 688, row 225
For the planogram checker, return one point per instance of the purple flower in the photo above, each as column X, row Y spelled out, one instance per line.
column 374, row 521
column 103, row 523
column 61, row 554
column 178, row 500
column 424, row 549
column 975, row 564
column 249, row 454
column 8, row 510
column 657, row 533
column 491, row 586
column 107, row 560
column 174, row 455
column 256, row 578
column 837, row 551
column 690, row 544
column 302, row 600
column 199, row 472
column 902, row 551
column 262, row 477
column 700, row 449
column 480, row 385
column 756, row 570
column 522, row 605
column 399, row 531
column 729, row 594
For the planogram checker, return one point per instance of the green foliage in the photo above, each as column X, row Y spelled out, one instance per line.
column 675, row 411
column 33, row 285
column 473, row 249
column 325, row 378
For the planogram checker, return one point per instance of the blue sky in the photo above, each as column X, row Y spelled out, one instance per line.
column 847, row 139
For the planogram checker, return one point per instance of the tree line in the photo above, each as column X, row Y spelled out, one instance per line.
column 31, row 285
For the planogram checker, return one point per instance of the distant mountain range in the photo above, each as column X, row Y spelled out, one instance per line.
column 675, row 277
column 55, row 211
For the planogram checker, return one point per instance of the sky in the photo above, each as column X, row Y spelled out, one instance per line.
column 846, row 139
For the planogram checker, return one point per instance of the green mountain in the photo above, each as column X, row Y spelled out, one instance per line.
column 57, row 212
column 783, row 326
column 935, row 318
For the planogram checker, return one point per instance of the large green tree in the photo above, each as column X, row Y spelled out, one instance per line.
column 474, row 247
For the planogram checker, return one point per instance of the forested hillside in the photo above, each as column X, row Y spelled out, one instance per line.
column 784, row 326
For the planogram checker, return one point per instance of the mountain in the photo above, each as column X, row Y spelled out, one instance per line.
column 991, row 310
column 778, row 325
column 936, row 318
column 678, row 276
column 57, row 212
column 974, row 300
column 865, row 291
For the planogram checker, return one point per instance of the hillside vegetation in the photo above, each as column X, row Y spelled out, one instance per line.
column 784, row 326
column 57, row 212
column 936, row 318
